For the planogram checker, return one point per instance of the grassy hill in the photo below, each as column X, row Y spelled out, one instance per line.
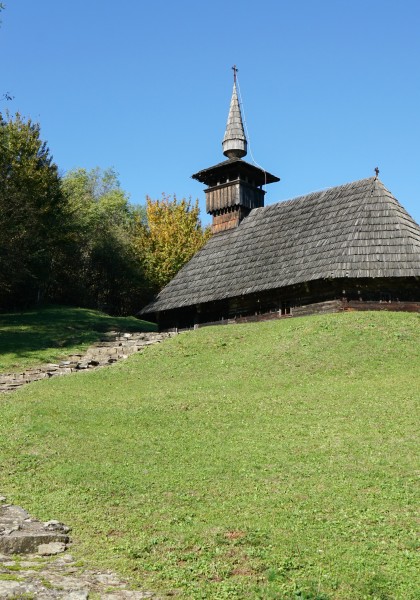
column 48, row 334
column 270, row 460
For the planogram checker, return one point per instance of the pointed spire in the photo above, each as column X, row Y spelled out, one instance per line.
column 234, row 142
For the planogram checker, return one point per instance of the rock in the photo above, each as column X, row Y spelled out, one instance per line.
column 65, row 559
column 60, row 578
column 3, row 498
column 56, row 526
column 51, row 524
column 129, row 595
column 12, row 514
column 107, row 579
column 51, row 548
column 22, row 535
column 10, row 589
column 10, row 531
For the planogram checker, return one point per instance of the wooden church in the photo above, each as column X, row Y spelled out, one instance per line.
column 351, row 247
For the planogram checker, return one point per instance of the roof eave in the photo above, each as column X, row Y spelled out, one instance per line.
column 207, row 176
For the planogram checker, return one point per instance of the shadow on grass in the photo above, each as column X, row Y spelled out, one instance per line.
column 26, row 333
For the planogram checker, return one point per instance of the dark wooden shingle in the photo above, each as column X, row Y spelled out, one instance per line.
column 356, row 230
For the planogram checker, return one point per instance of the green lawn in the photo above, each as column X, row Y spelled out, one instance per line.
column 268, row 460
column 46, row 335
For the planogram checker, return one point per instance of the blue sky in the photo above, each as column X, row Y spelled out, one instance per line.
column 330, row 88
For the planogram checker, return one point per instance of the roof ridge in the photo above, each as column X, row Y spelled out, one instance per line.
column 319, row 192
column 334, row 187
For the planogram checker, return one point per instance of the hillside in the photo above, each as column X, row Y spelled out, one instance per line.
column 268, row 460
column 48, row 334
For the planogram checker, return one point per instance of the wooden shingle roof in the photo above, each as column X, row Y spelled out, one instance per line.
column 233, row 167
column 354, row 230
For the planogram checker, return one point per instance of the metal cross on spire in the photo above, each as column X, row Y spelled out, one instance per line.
column 377, row 172
column 235, row 70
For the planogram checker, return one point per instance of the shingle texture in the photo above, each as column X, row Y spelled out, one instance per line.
column 234, row 141
column 233, row 167
column 355, row 230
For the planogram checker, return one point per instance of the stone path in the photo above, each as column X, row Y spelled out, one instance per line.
column 34, row 564
column 114, row 346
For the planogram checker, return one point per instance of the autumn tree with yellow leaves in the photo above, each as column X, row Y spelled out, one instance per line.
column 169, row 237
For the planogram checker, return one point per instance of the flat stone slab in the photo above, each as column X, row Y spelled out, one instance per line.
column 12, row 590
column 52, row 578
column 20, row 534
column 51, row 548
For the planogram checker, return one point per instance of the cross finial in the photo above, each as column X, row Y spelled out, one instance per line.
column 235, row 70
column 377, row 172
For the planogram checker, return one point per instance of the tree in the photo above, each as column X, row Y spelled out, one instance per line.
column 32, row 210
column 170, row 238
column 104, row 271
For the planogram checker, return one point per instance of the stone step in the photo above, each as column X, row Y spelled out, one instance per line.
column 20, row 534
column 113, row 347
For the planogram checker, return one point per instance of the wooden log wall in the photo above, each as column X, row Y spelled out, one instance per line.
column 318, row 308
column 392, row 306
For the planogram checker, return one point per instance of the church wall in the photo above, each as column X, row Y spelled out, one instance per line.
column 310, row 298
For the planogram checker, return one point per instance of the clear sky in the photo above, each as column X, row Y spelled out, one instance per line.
column 330, row 88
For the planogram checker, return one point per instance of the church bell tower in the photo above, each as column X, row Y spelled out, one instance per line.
column 235, row 186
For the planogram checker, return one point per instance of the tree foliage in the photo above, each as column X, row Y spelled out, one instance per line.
column 77, row 239
column 171, row 236
column 105, row 271
column 32, row 211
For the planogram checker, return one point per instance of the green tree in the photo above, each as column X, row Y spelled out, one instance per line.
column 103, row 270
column 171, row 236
column 32, row 209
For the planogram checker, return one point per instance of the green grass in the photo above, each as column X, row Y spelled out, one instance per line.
column 46, row 335
column 9, row 577
column 270, row 460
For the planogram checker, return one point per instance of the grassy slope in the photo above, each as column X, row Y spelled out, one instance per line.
column 48, row 334
column 271, row 460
